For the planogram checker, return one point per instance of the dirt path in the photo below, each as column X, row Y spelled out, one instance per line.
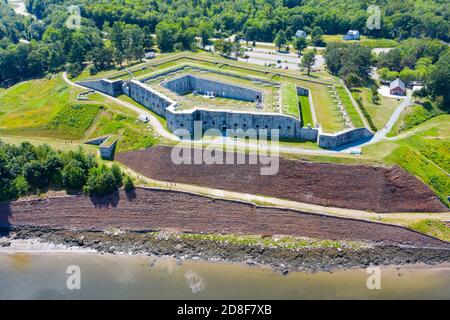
column 150, row 209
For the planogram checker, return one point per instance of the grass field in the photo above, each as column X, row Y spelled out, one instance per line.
column 47, row 110
column 424, row 152
column 305, row 111
column 413, row 116
column 379, row 113
column 370, row 42
column 289, row 100
column 45, row 107
column 351, row 109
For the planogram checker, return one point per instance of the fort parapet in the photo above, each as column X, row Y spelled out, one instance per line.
column 222, row 120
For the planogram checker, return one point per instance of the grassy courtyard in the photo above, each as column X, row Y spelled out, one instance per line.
column 289, row 100
column 379, row 112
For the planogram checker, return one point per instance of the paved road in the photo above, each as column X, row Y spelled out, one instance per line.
column 381, row 134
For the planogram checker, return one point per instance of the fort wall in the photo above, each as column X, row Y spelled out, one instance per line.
column 222, row 120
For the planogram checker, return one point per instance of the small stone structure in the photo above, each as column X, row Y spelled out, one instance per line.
column 107, row 145
column 289, row 127
column 332, row 141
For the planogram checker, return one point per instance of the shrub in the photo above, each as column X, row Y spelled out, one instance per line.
column 366, row 114
column 20, row 186
column 129, row 185
column 73, row 175
column 102, row 181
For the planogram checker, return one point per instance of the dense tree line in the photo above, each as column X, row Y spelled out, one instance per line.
column 415, row 61
column 419, row 61
column 352, row 62
column 261, row 19
column 27, row 169
column 117, row 31
column 411, row 61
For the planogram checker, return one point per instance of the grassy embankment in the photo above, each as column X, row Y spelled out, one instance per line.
column 46, row 110
column 351, row 109
column 432, row 227
column 424, row 152
column 413, row 116
column 370, row 42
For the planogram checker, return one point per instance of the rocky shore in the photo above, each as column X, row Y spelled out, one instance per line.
column 281, row 259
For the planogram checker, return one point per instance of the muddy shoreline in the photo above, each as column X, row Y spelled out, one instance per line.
column 282, row 260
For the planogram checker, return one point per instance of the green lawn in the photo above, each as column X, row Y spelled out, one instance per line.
column 370, row 42
column 413, row 116
column 33, row 103
column 351, row 109
column 48, row 108
column 432, row 227
column 306, row 111
column 289, row 99
column 425, row 153
column 133, row 134
column 380, row 112
column 45, row 107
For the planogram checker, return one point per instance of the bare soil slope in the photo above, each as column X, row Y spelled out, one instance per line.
column 149, row 209
column 346, row 186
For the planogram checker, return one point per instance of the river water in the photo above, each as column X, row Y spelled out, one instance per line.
column 44, row 276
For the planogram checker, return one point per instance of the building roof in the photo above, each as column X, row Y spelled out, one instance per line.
column 300, row 33
column 353, row 32
column 397, row 83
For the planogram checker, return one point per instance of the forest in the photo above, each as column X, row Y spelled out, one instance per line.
column 121, row 31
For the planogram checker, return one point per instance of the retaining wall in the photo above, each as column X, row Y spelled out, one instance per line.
column 331, row 141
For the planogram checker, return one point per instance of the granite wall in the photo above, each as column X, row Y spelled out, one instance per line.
column 189, row 83
column 110, row 87
column 332, row 141
column 289, row 127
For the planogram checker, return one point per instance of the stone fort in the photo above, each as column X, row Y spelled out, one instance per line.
column 289, row 127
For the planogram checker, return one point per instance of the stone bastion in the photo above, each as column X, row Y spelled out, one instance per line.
column 289, row 127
